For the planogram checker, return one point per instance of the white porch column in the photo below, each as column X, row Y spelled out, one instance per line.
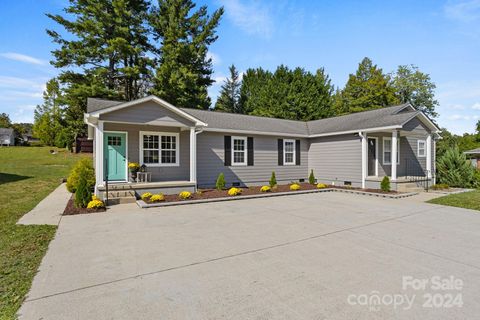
column 99, row 157
column 394, row 155
column 193, row 155
column 363, row 135
column 434, row 162
column 429, row 156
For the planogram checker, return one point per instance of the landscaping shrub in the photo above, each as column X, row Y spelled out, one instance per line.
column 311, row 177
column 220, row 185
column 146, row 196
column 265, row 189
column 184, row 195
column 95, row 204
column 321, row 186
column 295, row 187
column 454, row 169
column 82, row 193
column 385, row 184
column 234, row 191
column 273, row 180
column 160, row 197
column 440, row 186
column 85, row 167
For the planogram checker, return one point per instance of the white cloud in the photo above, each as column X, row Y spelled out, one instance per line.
column 457, row 107
column 216, row 61
column 23, row 114
column 22, row 83
column 22, row 58
column 457, row 117
column 464, row 11
column 251, row 16
column 476, row 106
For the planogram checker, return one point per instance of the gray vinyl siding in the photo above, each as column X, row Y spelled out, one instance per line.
column 210, row 161
column 147, row 113
column 336, row 159
column 179, row 173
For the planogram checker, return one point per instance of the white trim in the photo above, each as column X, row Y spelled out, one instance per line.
column 160, row 134
column 391, row 147
column 173, row 124
column 154, row 99
column 193, row 155
column 99, row 156
column 354, row 131
column 245, row 151
column 426, row 120
column 428, row 148
column 376, row 155
column 424, row 155
column 285, row 163
column 395, row 155
column 250, row 132
column 363, row 135
column 126, row 153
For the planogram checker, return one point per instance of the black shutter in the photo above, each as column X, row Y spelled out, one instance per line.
column 280, row 152
column 250, row 151
column 297, row 152
column 228, row 151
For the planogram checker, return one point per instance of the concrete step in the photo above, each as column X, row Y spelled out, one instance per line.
column 121, row 194
column 121, row 200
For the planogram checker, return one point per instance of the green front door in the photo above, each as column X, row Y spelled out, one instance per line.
column 115, row 156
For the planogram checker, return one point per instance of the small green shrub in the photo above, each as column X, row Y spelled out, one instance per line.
column 82, row 193
column 220, row 185
column 273, row 180
column 311, row 177
column 454, row 169
column 385, row 184
column 86, row 167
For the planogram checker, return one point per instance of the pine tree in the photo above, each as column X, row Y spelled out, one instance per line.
column 369, row 88
column 48, row 120
column 184, row 72
column 229, row 98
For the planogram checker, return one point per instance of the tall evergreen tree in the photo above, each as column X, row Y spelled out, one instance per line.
column 413, row 86
column 288, row 94
column 369, row 88
column 48, row 116
column 229, row 98
column 184, row 71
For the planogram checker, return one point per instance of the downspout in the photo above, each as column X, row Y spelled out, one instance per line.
column 364, row 157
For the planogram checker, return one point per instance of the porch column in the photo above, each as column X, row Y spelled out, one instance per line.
column 434, row 162
column 193, row 155
column 394, row 155
column 363, row 135
column 99, row 157
column 429, row 156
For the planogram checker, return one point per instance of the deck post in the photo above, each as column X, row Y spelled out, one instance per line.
column 363, row 135
column 429, row 156
column 193, row 155
column 394, row 155
column 99, row 156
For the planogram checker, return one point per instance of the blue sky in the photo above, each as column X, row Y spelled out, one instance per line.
column 441, row 37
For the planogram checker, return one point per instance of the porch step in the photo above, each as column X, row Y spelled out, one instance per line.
column 409, row 187
column 120, row 197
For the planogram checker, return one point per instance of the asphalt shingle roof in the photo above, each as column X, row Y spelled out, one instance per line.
column 6, row 130
column 384, row 117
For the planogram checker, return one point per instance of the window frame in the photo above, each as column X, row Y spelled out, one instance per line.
column 383, row 150
column 160, row 134
column 294, row 157
column 245, row 151
column 424, row 155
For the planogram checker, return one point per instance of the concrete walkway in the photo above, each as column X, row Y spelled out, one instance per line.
column 49, row 210
column 309, row 256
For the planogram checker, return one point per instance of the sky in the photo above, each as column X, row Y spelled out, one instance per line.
column 442, row 38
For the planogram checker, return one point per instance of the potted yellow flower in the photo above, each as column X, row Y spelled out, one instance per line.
column 133, row 167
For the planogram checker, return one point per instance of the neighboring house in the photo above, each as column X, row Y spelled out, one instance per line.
column 188, row 148
column 474, row 156
column 7, row 137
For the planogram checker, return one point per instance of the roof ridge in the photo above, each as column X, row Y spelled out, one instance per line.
column 241, row 114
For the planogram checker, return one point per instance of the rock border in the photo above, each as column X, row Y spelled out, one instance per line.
column 142, row 204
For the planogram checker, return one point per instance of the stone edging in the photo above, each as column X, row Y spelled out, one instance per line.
column 143, row 204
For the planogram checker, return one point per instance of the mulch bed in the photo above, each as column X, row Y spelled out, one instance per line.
column 70, row 209
column 214, row 193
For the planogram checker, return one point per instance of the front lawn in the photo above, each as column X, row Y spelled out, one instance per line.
column 27, row 175
column 467, row 200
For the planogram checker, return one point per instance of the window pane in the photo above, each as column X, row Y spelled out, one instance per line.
column 388, row 156
column 288, row 157
column 238, row 144
column 289, row 146
column 387, row 144
column 150, row 156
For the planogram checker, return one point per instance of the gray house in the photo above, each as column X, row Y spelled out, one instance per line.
column 474, row 156
column 188, row 148
column 7, row 137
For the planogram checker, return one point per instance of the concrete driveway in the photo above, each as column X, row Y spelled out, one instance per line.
column 316, row 256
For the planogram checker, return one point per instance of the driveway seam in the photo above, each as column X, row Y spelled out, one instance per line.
column 284, row 244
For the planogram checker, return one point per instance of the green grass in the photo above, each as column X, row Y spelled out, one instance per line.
column 27, row 175
column 467, row 200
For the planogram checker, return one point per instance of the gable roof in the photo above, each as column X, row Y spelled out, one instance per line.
column 8, row 131
column 385, row 118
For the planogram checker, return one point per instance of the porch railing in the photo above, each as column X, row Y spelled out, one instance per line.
column 415, row 173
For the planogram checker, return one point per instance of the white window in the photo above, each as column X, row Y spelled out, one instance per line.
column 387, row 150
column 239, row 151
column 159, row 149
column 421, row 148
column 288, row 151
